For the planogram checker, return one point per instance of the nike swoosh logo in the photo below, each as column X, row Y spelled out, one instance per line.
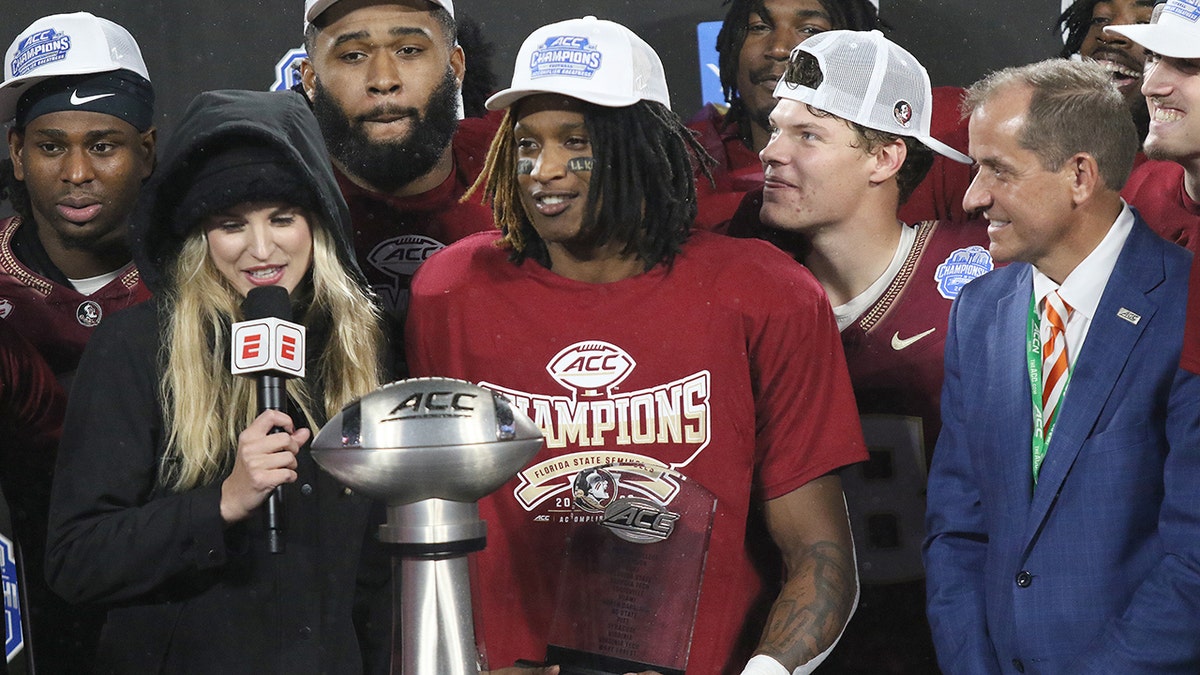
column 899, row 344
column 76, row 99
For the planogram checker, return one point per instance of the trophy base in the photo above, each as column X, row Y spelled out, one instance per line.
column 575, row 662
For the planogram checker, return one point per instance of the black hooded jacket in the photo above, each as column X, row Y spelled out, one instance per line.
column 280, row 119
column 184, row 592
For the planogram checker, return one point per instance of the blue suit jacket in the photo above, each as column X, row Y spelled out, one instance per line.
column 1096, row 570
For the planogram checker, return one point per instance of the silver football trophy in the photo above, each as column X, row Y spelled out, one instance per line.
column 431, row 448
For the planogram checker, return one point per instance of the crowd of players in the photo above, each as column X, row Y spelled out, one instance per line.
column 851, row 354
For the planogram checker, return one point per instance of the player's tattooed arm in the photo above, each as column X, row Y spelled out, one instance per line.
column 811, row 528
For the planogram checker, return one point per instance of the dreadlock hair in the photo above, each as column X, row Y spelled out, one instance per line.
column 1075, row 22
column 641, row 193
column 843, row 15
column 14, row 191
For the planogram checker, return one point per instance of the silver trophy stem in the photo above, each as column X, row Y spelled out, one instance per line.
column 434, row 628
column 433, row 624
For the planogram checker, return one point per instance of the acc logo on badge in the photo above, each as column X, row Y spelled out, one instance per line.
column 962, row 266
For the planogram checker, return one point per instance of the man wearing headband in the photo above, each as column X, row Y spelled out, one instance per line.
column 634, row 341
column 852, row 141
column 80, row 145
column 1064, row 512
column 81, row 142
column 383, row 77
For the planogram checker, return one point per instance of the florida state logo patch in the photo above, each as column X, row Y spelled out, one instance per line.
column 88, row 313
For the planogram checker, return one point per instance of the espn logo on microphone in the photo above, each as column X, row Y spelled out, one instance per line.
column 268, row 345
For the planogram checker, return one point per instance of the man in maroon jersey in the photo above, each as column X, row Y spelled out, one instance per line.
column 384, row 77
column 843, row 158
column 80, row 146
column 1167, row 193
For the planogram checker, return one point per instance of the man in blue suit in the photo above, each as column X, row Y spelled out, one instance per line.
column 1064, row 497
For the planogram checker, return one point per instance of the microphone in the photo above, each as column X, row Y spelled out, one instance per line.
column 269, row 346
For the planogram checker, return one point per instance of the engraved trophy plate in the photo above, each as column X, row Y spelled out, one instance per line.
column 632, row 569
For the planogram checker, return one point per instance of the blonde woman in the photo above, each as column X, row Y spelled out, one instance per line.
column 165, row 462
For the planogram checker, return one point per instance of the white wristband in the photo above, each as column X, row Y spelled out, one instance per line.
column 764, row 665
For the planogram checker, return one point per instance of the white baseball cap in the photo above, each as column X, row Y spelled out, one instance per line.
column 872, row 81
column 1173, row 31
column 590, row 59
column 65, row 44
column 314, row 8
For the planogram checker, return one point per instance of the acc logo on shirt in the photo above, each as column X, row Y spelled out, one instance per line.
column 565, row 55
column 38, row 50
column 962, row 266
column 6, row 308
column 591, row 368
column 401, row 256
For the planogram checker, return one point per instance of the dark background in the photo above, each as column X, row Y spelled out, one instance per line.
column 197, row 45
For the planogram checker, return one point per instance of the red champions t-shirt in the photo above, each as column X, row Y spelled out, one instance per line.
column 726, row 367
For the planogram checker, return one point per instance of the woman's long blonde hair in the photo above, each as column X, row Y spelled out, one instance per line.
column 205, row 407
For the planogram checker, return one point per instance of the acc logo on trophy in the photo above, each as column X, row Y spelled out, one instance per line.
column 427, row 404
column 639, row 520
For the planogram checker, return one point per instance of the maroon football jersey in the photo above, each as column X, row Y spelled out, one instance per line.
column 1155, row 189
column 394, row 235
column 57, row 319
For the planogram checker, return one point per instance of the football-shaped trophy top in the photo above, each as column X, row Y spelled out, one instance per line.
column 427, row 438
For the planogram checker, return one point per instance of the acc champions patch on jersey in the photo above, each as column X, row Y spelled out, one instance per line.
column 962, row 266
